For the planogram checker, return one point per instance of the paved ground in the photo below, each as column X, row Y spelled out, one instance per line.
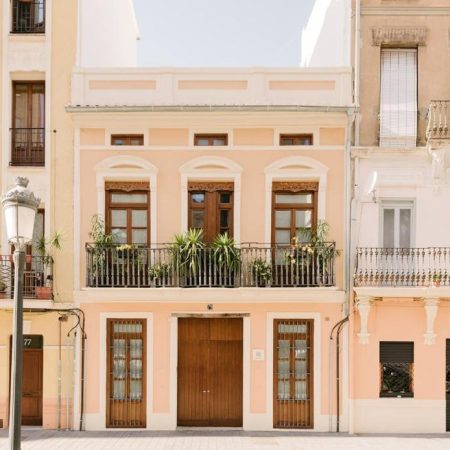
column 222, row 440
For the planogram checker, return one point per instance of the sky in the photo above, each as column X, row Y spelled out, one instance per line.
column 224, row 33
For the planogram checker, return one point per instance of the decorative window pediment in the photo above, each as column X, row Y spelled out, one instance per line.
column 399, row 36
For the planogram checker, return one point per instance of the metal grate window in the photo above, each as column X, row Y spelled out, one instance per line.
column 293, row 382
column 396, row 367
column 126, row 373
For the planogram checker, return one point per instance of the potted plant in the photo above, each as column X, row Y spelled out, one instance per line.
column 102, row 243
column 227, row 259
column 3, row 288
column 159, row 274
column 188, row 252
column 261, row 272
column 45, row 249
column 437, row 278
column 316, row 248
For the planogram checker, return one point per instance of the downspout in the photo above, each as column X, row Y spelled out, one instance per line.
column 338, row 326
column 59, row 373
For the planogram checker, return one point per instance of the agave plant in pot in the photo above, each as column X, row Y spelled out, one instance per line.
column 188, row 253
column 226, row 261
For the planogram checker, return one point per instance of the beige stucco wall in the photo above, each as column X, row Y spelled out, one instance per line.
column 433, row 67
column 45, row 324
column 64, row 40
column 163, row 358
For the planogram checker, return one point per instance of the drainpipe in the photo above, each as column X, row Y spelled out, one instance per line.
column 59, row 374
column 338, row 327
column 67, row 383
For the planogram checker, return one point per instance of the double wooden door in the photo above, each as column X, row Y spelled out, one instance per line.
column 210, row 372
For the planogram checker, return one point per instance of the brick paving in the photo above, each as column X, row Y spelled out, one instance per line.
column 221, row 440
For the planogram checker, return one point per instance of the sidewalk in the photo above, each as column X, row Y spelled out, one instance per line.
column 221, row 440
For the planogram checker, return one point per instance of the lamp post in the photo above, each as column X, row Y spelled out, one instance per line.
column 19, row 205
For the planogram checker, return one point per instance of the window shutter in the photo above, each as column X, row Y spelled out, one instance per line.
column 398, row 106
column 396, row 352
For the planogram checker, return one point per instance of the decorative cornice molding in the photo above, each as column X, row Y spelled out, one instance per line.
column 295, row 186
column 210, row 186
column 399, row 36
column 127, row 186
column 391, row 10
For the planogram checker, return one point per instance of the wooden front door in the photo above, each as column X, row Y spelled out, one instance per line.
column 32, row 381
column 447, row 383
column 210, row 372
column 293, row 377
column 126, row 373
column 32, row 387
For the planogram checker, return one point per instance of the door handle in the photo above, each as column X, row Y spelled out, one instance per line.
column 205, row 392
column 27, row 394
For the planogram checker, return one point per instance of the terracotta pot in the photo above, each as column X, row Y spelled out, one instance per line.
column 43, row 292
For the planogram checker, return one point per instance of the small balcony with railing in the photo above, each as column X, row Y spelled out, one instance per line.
column 27, row 147
column 244, row 266
column 438, row 121
column 37, row 278
column 28, row 17
column 402, row 267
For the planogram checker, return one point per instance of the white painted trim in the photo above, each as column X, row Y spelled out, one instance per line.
column 98, row 421
column 319, row 423
column 227, row 170
column 246, row 363
column 143, row 171
column 309, row 170
column 210, row 295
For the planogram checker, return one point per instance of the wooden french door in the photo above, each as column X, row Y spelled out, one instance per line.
column 447, row 383
column 210, row 372
column 126, row 373
column 293, row 374
column 32, row 381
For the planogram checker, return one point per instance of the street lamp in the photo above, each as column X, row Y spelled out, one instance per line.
column 19, row 205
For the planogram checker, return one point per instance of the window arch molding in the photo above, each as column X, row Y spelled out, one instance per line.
column 211, row 168
column 127, row 168
column 294, row 168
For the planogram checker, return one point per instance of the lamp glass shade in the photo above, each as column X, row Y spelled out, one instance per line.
column 19, row 223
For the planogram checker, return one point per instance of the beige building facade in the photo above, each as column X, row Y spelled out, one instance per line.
column 39, row 49
column 252, row 163
column 400, row 341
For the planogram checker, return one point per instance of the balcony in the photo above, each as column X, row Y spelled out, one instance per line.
column 402, row 267
column 37, row 277
column 28, row 16
column 255, row 265
column 438, row 120
column 28, row 147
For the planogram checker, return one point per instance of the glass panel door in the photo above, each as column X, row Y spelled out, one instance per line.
column 126, row 373
column 293, row 381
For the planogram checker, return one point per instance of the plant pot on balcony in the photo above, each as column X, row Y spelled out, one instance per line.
column 44, row 292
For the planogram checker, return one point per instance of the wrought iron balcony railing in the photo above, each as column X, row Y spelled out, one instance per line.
column 409, row 267
column 28, row 147
column 37, row 277
column 28, row 16
column 254, row 266
column 438, row 120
